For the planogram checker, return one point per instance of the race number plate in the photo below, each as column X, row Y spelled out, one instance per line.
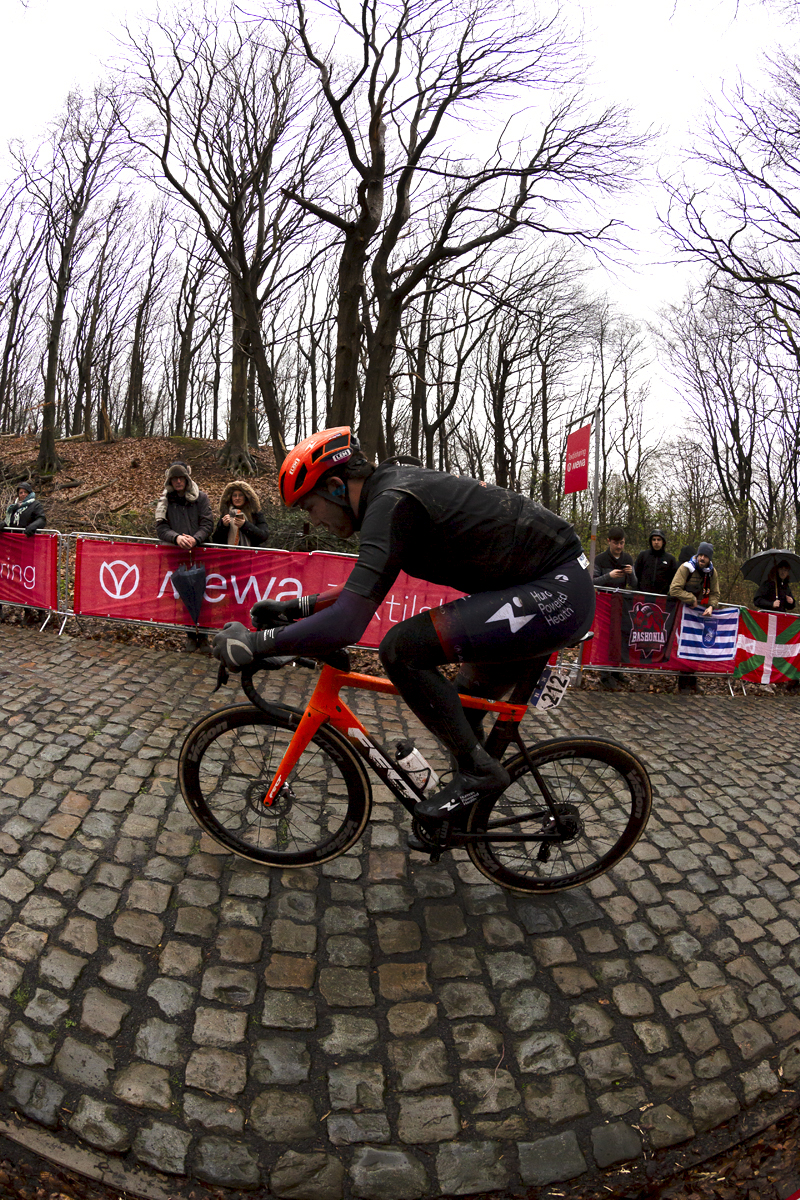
column 551, row 688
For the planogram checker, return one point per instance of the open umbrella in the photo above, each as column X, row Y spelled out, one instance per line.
column 757, row 568
column 190, row 584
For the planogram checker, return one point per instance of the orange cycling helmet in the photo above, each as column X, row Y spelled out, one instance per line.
column 304, row 467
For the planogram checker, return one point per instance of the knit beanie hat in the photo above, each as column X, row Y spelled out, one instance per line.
column 25, row 486
column 706, row 548
column 178, row 469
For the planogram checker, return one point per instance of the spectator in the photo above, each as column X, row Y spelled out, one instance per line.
column 655, row 568
column 184, row 518
column 696, row 583
column 25, row 515
column 614, row 569
column 241, row 522
column 774, row 593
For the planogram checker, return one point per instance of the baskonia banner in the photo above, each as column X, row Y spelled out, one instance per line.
column 654, row 633
column 132, row 581
column 28, row 569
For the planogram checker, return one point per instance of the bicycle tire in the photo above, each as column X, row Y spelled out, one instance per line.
column 227, row 763
column 603, row 792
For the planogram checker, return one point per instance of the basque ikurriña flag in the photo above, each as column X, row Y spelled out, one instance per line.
column 768, row 647
column 710, row 638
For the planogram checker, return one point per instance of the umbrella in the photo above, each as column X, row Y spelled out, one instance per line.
column 757, row 568
column 190, row 584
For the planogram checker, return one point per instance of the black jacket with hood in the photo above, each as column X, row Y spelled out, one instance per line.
column 655, row 570
column 189, row 513
column 26, row 515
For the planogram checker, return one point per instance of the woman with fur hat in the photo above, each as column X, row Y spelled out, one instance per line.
column 184, row 518
column 241, row 521
column 183, row 513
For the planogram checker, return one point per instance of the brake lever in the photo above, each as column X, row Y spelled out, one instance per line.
column 222, row 677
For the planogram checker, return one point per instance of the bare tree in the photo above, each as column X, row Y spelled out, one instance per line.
column 744, row 221
column 21, row 247
column 718, row 355
column 415, row 71
column 62, row 179
column 220, row 111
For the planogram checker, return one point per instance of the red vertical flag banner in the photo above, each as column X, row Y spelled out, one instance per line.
column 576, row 467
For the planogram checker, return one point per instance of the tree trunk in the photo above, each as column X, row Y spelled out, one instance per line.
column 48, row 461
column 234, row 454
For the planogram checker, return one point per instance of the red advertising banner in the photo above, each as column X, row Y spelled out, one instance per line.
column 576, row 467
column 28, row 569
column 133, row 581
column 635, row 629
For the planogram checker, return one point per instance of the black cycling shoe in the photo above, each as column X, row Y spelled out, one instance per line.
column 484, row 777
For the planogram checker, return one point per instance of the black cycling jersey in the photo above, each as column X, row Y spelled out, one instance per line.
column 441, row 528
column 453, row 531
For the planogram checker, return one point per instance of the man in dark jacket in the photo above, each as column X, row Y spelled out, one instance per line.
column 655, row 568
column 184, row 518
column 25, row 515
column 614, row 569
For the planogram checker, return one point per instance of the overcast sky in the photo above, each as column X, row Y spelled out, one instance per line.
column 665, row 59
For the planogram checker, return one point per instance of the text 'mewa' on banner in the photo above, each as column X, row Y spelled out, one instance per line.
column 132, row 581
column 28, row 569
column 576, row 467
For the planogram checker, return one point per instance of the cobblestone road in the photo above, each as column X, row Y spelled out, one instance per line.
column 380, row 1027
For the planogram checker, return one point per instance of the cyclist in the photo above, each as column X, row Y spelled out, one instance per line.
column 529, row 591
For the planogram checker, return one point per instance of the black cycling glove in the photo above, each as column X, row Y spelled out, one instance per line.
column 267, row 613
column 236, row 646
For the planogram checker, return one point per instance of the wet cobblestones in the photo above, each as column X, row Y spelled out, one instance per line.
column 380, row 1026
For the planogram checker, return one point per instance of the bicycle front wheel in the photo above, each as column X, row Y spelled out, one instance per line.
column 227, row 764
column 602, row 798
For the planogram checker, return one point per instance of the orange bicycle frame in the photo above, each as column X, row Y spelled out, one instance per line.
column 326, row 704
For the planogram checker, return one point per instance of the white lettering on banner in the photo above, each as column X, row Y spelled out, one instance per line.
column 163, row 588
column 15, row 573
column 295, row 593
column 221, row 587
column 219, row 583
column 119, row 579
column 391, row 604
column 241, row 596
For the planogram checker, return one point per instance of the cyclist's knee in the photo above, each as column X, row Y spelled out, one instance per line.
column 412, row 644
column 390, row 651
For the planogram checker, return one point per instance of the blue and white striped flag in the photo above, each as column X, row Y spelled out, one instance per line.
column 711, row 637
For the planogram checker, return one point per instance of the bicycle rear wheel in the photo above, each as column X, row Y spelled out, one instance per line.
column 602, row 795
column 227, row 764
